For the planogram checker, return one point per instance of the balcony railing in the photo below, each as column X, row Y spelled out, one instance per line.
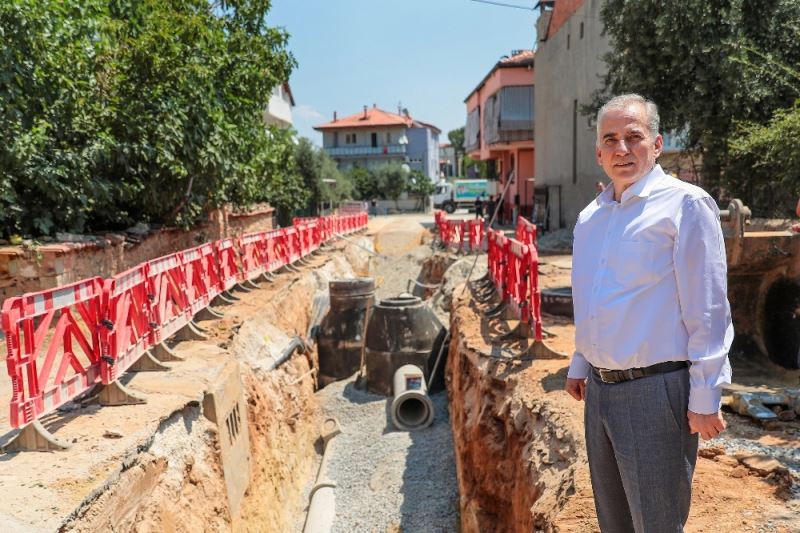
column 355, row 151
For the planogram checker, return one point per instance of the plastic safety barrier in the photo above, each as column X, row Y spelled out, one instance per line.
column 61, row 342
column 53, row 347
column 253, row 254
column 170, row 309
column 127, row 323
column 525, row 231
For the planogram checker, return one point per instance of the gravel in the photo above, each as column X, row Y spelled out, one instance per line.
column 389, row 480
column 392, row 274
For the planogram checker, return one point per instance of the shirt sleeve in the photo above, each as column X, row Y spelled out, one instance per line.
column 578, row 367
column 701, row 273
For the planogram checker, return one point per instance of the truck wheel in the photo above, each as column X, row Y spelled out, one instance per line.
column 449, row 207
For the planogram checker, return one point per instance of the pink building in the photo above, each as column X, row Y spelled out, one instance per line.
column 500, row 128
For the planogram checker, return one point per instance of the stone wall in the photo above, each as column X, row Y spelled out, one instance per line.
column 30, row 269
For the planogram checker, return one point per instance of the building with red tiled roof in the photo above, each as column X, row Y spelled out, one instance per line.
column 374, row 137
column 500, row 124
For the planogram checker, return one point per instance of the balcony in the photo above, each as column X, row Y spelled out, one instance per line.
column 366, row 151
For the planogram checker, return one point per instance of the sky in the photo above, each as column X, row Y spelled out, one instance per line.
column 426, row 54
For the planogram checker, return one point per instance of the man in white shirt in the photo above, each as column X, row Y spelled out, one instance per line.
column 652, row 326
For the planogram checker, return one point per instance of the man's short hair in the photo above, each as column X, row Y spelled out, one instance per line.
column 624, row 100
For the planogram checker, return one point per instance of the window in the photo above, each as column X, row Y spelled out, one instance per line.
column 374, row 139
column 388, row 137
column 350, row 138
column 568, row 36
column 581, row 30
column 335, row 139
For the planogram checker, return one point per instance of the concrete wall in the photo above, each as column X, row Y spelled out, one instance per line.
column 564, row 76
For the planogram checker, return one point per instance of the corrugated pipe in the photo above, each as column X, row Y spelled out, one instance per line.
column 412, row 408
column 322, row 504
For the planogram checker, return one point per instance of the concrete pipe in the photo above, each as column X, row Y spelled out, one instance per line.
column 412, row 408
column 322, row 505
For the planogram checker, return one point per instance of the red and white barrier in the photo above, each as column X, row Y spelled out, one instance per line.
column 63, row 341
column 53, row 347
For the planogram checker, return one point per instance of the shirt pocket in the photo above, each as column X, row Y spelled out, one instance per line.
column 633, row 263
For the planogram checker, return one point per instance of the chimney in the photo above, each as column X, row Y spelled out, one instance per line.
column 365, row 112
column 374, row 106
column 334, row 116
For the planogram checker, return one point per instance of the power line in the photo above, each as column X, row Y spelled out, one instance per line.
column 502, row 4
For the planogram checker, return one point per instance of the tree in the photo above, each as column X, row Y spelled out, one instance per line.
column 138, row 110
column 774, row 150
column 420, row 187
column 695, row 59
column 315, row 166
column 365, row 182
column 456, row 138
column 393, row 181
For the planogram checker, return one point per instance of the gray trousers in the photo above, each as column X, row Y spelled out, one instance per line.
column 641, row 455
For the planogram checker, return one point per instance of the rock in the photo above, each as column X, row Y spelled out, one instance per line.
column 763, row 465
column 711, row 452
column 727, row 460
column 787, row 415
column 112, row 434
column 739, row 472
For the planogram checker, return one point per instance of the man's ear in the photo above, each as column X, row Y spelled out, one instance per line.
column 598, row 155
column 659, row 145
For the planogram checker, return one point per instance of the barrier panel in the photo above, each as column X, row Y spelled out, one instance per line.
column 170, row 307
column 516, row 289
column 534, row 293
column 291, row 244
column 226, row 262
column 252, row 252
column 49, row 366
column 475, row 234
column 525, row 231
column 201, row 275
column 126, row 319
column 275, row 250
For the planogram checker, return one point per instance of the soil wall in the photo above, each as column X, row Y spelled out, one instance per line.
column 515, row 450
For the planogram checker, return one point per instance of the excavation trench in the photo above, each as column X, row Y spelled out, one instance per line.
column 243, row 451
column 230, row 439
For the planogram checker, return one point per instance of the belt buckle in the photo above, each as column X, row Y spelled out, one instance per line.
column 602, row 373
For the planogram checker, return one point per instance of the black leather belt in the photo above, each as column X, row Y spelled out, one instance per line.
column 617, row 376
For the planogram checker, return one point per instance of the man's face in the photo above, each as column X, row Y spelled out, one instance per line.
column 627, row 151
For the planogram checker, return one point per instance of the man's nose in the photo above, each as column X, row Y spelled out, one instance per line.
column 622, row 147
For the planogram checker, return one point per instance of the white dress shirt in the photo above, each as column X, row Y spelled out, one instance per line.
column 649, row 285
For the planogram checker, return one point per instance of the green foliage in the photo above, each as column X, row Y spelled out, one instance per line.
column 702, row 62
column 115, row 112
column 365, row 182
column 420, row 186
column 769, row 150
column 393, row 180
column 315, row 166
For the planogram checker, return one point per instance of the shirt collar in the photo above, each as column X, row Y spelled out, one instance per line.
column 642, row 188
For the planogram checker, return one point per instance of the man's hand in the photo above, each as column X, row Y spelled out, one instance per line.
column 576, row 388
column 708, row 426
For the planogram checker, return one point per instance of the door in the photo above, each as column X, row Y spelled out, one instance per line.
column 374, row 140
